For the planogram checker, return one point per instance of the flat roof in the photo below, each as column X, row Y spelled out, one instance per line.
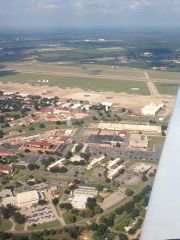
column 162, row 220
column 26, row 197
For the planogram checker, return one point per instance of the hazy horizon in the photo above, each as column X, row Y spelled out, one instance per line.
column 59, row 14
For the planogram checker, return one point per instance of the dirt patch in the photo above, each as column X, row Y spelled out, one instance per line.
column 133, row 101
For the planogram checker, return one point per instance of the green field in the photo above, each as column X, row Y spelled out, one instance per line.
column 164, row 75
column 6, row 225
column 52, row 224
column 167, row 89
column 97, row 84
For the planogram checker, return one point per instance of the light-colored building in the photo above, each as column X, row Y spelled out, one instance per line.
column 95, row 161
column 115, row 172
column 151, row 109
column 76, row 106
column 6, row 193
column 141, row 168
column 22, row 199
column 129, row 127
column 138, row 142
column 81, row 195
column 114, row 163
column 59, row 163
column 76, row 158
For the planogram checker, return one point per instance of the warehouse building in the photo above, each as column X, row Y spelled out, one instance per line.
column 22, row 199
column 151, row 109
column 129, row 127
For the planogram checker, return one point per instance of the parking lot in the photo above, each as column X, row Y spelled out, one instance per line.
column 38, row 215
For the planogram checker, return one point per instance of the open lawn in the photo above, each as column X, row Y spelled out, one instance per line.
column 164, row 75
column 98, row 84
column 167, row 89
column 19, row 227
column 52, row 224
column 6, row 225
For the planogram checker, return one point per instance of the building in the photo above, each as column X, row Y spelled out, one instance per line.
column 129, row 127
column 115, row 172
column 7, row 153
column 59, row 163
column 40, row 144
column 163, row 214
column 6, row 169
column 6, row 193
column 81, row 195
column 138, row 142
column 94, row 162
column 151, row 109
column 114, row 163
column 22, row 199
column 141, row 168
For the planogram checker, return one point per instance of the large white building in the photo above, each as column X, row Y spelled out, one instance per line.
column 22, row 199
column 81, row 195
column 129, row 127
column 151, row 109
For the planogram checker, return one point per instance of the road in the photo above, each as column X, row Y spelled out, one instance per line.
column 152, row 88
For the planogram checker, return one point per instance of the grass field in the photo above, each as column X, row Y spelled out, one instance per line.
column 97, row 84
column 167, row 89
column 164, row 75
column 6, row 225
column 52, row 224
column 19, row 227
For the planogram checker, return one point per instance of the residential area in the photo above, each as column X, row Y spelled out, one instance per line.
column 65, row 162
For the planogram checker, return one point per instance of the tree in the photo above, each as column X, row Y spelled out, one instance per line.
column 93, row 227
column 122, row 237
column 91, row 203
column 110, row 220
column 1, row 134
column 144, row 178
column 32, row 167
column 99, row 187
column 129, row 192
column 42, row 125
column 55, row 201
column 59, row 170
column 102, row 228
column 66, row 206
column 42, row 202
column 19, row 218
column 69, row 218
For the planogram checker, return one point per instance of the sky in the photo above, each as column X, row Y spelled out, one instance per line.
column 89, row 13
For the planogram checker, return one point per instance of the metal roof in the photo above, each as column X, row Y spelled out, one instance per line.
column 162, row 220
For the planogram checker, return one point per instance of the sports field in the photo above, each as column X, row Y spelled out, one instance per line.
column 97, row 84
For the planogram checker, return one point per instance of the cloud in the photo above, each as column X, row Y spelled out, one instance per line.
column 140, row 4
column 104, row 6
column 45, row 5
